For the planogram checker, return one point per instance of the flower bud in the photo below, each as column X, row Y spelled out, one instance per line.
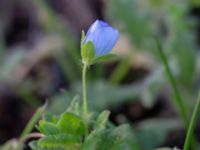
column 102, row 36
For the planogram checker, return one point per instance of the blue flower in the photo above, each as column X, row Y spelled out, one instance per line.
column 103, row 37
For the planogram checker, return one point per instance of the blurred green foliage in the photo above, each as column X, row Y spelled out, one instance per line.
column 141, row 20
column 172, row 23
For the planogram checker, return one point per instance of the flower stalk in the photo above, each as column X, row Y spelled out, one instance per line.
column 84, row 92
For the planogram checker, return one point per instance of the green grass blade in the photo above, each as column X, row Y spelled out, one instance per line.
column 192, row 125
column 33, row 121
column 178, row 98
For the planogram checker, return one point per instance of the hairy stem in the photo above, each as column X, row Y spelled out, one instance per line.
column 84, row 92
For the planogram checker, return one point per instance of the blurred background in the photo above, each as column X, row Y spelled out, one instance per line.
column 40, row 61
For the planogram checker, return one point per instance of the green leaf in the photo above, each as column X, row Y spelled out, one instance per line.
column 61, row 141
column 48, row 128
column 119, row 138
column 98, row 134
column 104, row 58
column 88, row 52
column 71, row 124
column 102, row 119
column 55, row 119
column 82, row 38
column 93, row 140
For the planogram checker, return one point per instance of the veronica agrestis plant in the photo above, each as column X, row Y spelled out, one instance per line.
column 73, row 129
column 96, row 46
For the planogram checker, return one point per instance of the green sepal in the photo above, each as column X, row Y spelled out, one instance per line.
column 82, row 38
column 103, row 58
column 88, row 52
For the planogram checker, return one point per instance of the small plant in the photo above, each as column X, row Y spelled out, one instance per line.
column 77, row 128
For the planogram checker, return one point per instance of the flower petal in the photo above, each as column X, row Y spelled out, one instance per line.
column 103, row 37
column 98, row 24
column 111, row 36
